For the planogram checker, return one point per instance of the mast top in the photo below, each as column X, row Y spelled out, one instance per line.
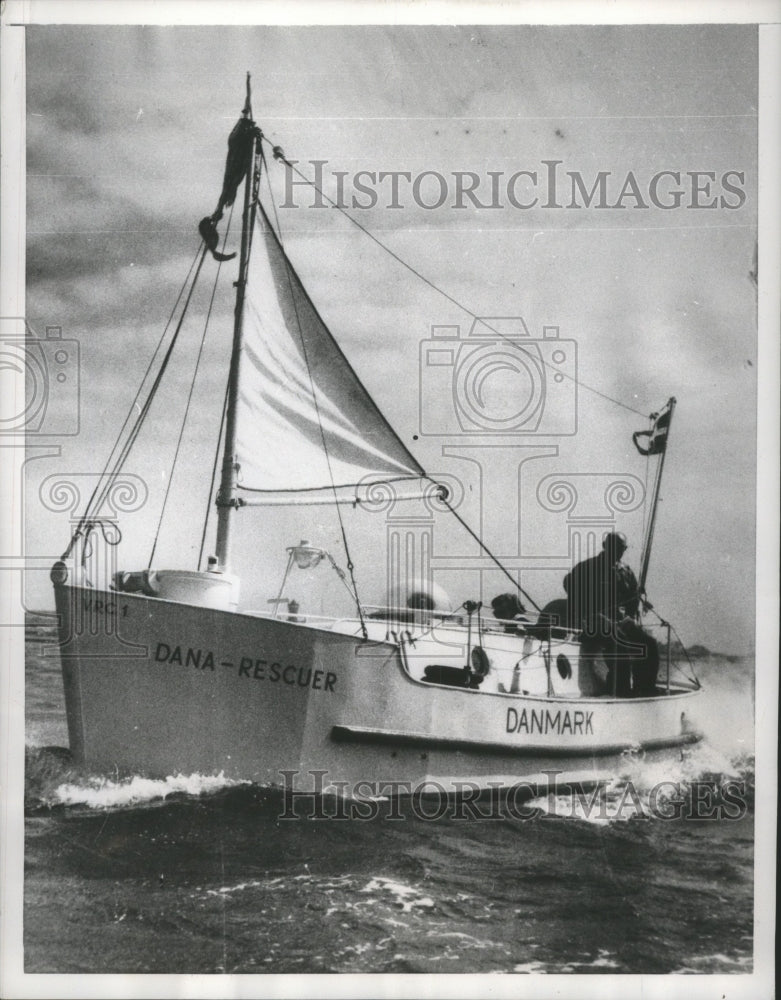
column 247, row 111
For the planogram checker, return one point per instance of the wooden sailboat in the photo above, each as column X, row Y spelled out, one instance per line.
column 163, row 673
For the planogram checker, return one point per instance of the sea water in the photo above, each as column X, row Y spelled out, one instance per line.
column 199, row 874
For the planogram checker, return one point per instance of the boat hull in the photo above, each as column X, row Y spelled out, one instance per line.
column 158, row 687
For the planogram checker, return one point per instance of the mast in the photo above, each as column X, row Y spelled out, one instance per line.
column 227, row 501
column 649, row 537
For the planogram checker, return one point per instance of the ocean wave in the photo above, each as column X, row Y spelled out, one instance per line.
column 52, row 781
column 700, row 784
column 642, row 786
column 404, row 897
column 716, row 963
column 604, row 961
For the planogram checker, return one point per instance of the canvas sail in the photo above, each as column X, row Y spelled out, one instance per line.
column 304, row 420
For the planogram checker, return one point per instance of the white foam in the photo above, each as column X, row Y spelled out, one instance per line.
column 603, row 813
column 687, row 765
column 603, row 961
column 407, row 897
column 226, row 890
column 530, row 968
column 463, row 940
column 283, row 882
column 105, row 793
column 648, row 787
column 717, row 962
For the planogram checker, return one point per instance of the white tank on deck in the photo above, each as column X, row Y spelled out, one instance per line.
column 420, row 595
column 203, row 589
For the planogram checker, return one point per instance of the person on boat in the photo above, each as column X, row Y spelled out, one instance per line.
column 604, row 602
column 509, row 611
column 555, row 614
column 420, row 604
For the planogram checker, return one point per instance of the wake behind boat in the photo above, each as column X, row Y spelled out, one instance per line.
column 164, row 674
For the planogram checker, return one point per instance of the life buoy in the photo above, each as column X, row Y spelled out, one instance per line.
column 564, row 667
column 480, row 662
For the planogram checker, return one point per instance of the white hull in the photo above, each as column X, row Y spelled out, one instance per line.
column 158, row 687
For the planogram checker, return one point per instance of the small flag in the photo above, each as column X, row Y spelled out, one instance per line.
column 657, row 435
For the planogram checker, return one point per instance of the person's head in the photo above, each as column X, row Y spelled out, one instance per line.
column 506, row 607
column 420, row 601
column 614, row 545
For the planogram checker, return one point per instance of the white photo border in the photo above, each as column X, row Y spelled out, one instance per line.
column 16, row 14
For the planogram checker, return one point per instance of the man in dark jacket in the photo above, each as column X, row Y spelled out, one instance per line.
column 604, row 601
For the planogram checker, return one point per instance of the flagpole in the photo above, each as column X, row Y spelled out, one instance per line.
column 648, row 540
column 227, row 501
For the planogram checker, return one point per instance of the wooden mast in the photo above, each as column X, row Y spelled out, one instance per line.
column 227, row 501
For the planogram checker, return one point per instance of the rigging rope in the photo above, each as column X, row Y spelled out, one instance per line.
column 112, row 536
column 125, row 451
column 279, row 155
column 664, row 622
column 487, row 551
column 350, row 564
column 189, row 396
column 91, row 505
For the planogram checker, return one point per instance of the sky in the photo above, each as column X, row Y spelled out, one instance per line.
column 126, row 138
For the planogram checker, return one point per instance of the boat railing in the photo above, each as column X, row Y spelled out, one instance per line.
column 404, row 614
column 428, row 620
column 460, row 618
column 539, row 627
column 663, row 631
column 418, row 622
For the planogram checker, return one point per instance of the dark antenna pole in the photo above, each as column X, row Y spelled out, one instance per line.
column 648, row 541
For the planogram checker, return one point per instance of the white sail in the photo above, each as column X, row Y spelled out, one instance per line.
column 304, row 420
